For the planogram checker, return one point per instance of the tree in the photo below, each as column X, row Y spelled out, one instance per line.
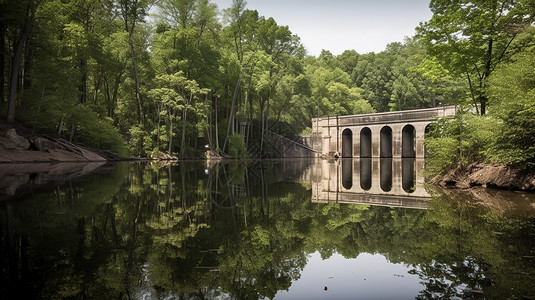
column 177, row 93
column 512, row 93
column 24, row 14
column 471, row 38
column 133, row 12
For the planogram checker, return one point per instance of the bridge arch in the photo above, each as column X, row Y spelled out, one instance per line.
column 347, row 143
column 385, row 144
column 365, row 142
column 408, row 141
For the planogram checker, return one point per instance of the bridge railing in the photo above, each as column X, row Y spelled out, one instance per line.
column 388, row 117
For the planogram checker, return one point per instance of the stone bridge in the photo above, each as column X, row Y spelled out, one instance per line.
column 387, row 135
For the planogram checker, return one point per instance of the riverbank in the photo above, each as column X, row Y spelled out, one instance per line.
column 497, row 176
column 19, row 144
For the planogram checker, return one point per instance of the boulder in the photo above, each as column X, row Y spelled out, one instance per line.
column 44, row 144
column 18, row 141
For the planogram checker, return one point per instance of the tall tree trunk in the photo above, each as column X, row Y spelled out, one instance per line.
column 97, row 83
column 184, row 120
column 136, row 79
column 82, row 88
column 108, row 97
column 231, row 128
column 160, row 108
column 170, row 129
column 483, row 99
column 216, row 126
column 16, row 64
column 2, row 62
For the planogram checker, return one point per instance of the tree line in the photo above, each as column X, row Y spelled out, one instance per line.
column 142, row 77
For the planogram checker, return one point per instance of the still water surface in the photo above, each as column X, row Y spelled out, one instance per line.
column 303, row 229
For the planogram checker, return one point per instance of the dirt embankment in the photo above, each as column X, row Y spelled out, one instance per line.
column 487, row 175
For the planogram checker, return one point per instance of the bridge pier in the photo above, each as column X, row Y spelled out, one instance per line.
column 381, row 135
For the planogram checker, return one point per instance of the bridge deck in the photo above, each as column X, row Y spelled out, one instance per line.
column 389, row 117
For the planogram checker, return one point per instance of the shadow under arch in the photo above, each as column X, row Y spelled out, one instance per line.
column 347, row 143
column 385, row 144
column 408, row 142
column 365, row 143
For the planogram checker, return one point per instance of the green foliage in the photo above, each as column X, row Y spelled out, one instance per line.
column 140, row 143
column 97, row 132
column 237, row 147
column 472, row 38
column 512, row 100
column 443, row 154
column 465, row 139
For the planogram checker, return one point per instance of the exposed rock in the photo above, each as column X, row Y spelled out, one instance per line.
column 15, row 148
column 489, row 175
column 166, row 156
column 18, row 141
column 44, row 144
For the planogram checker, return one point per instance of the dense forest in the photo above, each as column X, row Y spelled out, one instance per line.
column 141, row 77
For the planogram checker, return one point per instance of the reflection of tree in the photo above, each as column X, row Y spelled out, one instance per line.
column 174, row 231
column 474, row 253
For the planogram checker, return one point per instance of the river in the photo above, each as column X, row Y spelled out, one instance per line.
column 286, row 229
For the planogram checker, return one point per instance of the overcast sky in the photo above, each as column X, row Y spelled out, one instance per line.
column 338, row 25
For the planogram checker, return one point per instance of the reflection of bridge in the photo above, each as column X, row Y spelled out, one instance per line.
column 391, row 134
column 382, row 182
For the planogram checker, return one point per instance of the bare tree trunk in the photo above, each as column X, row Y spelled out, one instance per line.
column 108, row 98
column 231, row 129
column 136, row 78
column 170, row 129
column 16, row 63
column 216, row 126
column 184, row 118
column 2, row 62
column 97, row 83
column 160, row 107
column 83, row 81
column 60, row 126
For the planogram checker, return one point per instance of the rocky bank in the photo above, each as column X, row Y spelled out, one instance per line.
column 488, row 175
column 28, row 160
column 20, row 145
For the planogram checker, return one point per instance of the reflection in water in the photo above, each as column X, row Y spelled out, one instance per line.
column 250, row 231
column 408, row 176
column 366, row 174
column 347, row 173
column 385, row 181
column 386, row 174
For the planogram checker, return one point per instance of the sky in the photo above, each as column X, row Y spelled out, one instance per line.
column 339, row 25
